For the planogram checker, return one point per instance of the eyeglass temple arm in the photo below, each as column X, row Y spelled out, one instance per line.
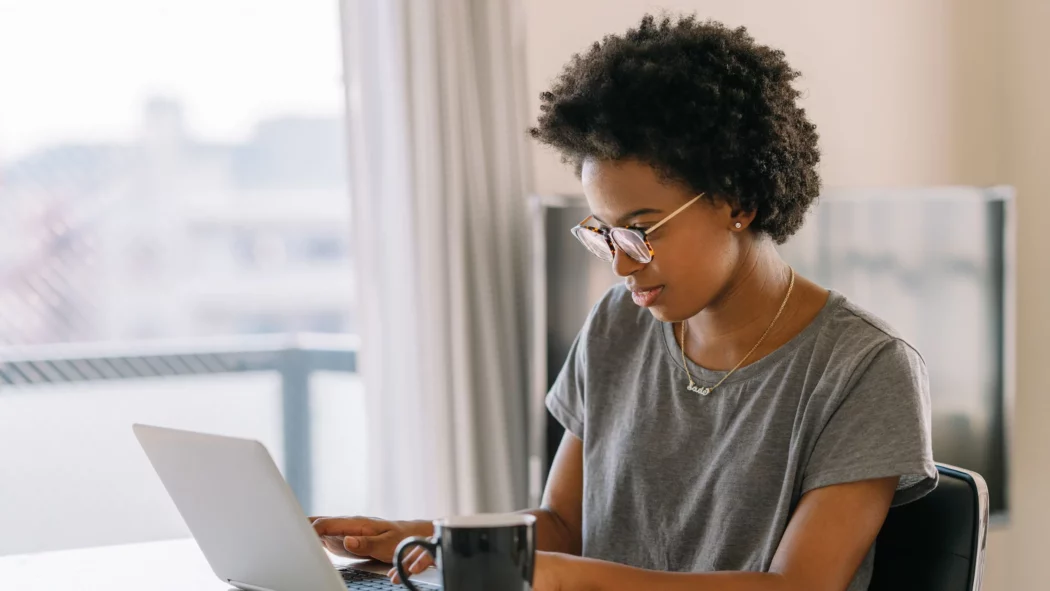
column 674, row 213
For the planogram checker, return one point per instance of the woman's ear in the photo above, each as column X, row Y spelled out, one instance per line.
column 740, row 219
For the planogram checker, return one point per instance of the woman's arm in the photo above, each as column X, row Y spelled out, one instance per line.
column 828, row 536
column 559, row 520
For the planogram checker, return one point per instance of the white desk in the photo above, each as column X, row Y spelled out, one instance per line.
column 176, row 565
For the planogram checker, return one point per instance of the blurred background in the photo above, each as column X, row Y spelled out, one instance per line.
column 211, row 213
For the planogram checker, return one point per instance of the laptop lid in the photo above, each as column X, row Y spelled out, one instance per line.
column 240, row 510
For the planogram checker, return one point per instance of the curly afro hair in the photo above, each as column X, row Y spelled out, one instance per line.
column 704, row 105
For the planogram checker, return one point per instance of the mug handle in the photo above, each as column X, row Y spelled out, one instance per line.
column 428, row 544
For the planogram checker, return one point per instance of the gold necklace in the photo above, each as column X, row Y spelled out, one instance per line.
column 704, row 391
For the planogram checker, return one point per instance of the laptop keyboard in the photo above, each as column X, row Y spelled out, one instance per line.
column 359, row 579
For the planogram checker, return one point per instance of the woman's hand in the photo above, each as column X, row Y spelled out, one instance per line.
column 548, row 574
column 416, row 561
column 366, row 537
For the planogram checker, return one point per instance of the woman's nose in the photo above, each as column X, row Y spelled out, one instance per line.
column 624, row 265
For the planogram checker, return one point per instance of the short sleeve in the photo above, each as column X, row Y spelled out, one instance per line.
column 880, row 429
column 565, row 400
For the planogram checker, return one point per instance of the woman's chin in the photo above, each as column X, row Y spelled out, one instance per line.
column 662, row 314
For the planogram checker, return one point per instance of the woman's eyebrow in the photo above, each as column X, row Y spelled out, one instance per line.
column 623, row 219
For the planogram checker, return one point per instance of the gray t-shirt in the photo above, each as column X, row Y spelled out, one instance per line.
column 676, row 481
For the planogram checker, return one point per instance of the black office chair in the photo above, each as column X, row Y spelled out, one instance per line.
column 936, row 543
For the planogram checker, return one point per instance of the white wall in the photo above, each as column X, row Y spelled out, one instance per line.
column 903, row 93
column 1026, row 121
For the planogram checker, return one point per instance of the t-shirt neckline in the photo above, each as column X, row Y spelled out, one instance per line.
column 706, row 377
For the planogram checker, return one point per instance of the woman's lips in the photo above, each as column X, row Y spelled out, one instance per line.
column 645, row 298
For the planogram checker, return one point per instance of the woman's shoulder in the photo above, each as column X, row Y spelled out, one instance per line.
column 853, row 336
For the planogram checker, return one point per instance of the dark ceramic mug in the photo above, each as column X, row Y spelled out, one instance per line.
column 489, row 552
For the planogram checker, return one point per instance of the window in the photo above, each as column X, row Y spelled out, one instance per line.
column 174, row 182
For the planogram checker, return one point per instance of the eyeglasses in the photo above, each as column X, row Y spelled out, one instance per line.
column 634, row 242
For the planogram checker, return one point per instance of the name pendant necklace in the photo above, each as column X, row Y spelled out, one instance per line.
column 703, row 390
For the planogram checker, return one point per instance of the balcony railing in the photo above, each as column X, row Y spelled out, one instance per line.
column 294, row 357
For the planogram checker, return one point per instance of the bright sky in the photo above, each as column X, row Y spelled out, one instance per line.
column 76, row 70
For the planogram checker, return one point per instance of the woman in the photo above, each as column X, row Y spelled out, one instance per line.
column 730, row 425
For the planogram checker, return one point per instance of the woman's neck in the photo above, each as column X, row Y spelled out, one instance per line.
column 724, row 331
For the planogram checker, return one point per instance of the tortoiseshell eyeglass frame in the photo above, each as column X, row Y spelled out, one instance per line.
column 609, row 234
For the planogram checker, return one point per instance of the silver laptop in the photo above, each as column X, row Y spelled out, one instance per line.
column 245, row 517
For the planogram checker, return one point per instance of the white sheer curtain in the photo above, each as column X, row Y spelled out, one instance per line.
column 438, row 165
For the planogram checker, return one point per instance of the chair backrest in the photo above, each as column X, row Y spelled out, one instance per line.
column 936, row 543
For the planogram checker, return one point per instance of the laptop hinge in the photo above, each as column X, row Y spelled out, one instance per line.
column 247, row 586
